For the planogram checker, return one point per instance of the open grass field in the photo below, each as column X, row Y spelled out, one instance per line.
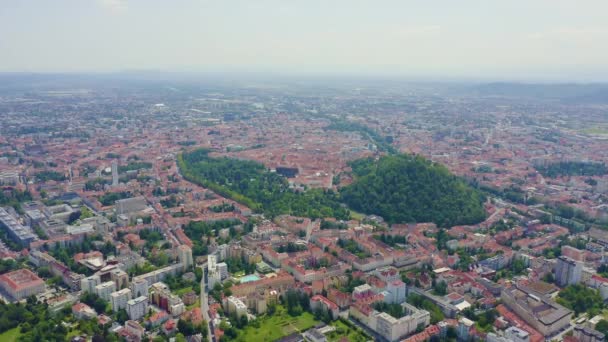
column 600, row 130
column 353, row 334
column 10, row 335
column 279, row 325
column 356, row 215
column 183, row 291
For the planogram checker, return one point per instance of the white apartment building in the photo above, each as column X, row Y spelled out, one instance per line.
column 119, row 299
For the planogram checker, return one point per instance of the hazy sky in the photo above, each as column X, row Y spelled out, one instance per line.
column 526, row 39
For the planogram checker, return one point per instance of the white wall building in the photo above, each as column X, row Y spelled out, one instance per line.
column 235, row 305
column 567, row 271
column 184, row 254
column 213, row 274
column 104, row 290
column 222, row 268
column 139, row 287
column 88, row 284
column 396, row 289
column 136, row 308
column 394, row 329
column 119, row 299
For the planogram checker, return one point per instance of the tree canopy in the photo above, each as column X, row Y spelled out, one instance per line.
column 382, row 143
column 426, row 304
column 400, row 188
column 406, row 188
column 571, row 168
column 581, row 299
column 251, row 184
column 14, row 198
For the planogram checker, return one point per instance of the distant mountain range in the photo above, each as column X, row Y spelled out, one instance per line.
column 567, row 92
column 572, row 93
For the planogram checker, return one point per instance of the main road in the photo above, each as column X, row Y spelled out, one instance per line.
column 205, row 304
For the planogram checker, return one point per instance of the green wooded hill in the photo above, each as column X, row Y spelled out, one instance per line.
column 568, row 168
column 251, row 184
column 405, row 188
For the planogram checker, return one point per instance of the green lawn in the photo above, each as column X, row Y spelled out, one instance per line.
column 75, row 332
column 183, row 291
column 10, row 335
column 356, row 215
column 354, row 334
column 596, row 130
column 279, row 325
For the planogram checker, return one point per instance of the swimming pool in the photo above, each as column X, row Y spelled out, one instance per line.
column 248, row 278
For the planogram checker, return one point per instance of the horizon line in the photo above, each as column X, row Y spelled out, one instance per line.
column 336, row 75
